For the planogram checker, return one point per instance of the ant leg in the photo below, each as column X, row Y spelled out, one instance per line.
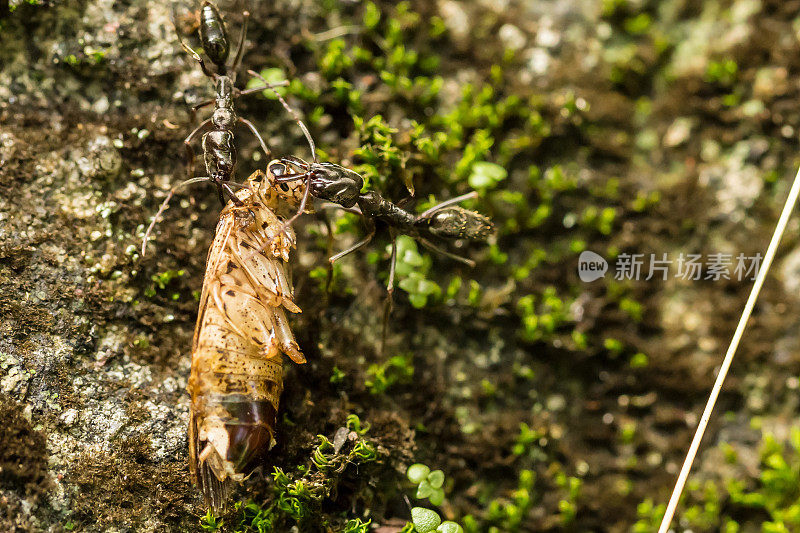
column 360, row 244
column 163, row 207
column 251, row 90
column 302, row 206
column 189, row 49
column 291, row 178
column 236, row 93
column 432, row 247
column 291, row 112
column 387, row 307
column 446, row 203
column 329, row 229
column 353, row 210
column 237, row 60
column 229, row 192
column 253, row 129
column 187, row 144
column 201, row 105
column 292, row 160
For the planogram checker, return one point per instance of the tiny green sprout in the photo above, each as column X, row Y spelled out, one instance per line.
column 419, row 289
column 273, row 76
column 164, row 278
column 209, row 522
column 614, row 346
column 436, row 497
column 417, row 473
column 425, row 520
column 364, row 451
column 356, row 526
column 436, row 479
column 337, row 376
column 424, row 490
column 449, row 527
column 321, row 457
column 486, row 175
column 639, row 360
column 372, row 16
column 354, row 423
column 398, row 369
column 408, row 256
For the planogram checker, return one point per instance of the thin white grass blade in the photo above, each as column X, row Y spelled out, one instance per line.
column 791, row 201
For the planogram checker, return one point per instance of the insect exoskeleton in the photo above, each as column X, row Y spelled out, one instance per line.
column 242, row 331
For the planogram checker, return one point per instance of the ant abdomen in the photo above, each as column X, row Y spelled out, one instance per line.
column 458, row 223
column 213, row 35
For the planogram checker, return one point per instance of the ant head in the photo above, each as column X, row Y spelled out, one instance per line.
column 335, row 183
column 213, row 35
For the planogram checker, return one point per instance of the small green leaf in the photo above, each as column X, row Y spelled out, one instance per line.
column 436, row 497
column 424, row 490
column 486, row 175
column 449, row 527
column 425, row 520
column 417, row 473
column 418, row 300
column 372, row 15
column 436, row 479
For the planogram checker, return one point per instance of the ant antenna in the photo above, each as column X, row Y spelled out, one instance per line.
column 291, row 112
column 447, row 203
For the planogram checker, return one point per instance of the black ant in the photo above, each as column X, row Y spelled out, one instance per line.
column 218, row 145
column 219, row 148
column 341, row 186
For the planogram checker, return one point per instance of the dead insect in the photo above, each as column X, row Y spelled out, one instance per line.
column 237, row 376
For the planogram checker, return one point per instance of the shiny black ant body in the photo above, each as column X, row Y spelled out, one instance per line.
column 342, row 187
column 218, row 144
column 219, row 149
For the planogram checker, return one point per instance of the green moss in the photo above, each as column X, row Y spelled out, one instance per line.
column 397, row 370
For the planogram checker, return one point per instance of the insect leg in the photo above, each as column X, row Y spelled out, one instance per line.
column 291, row 112
column 301, row 208
column 189, row 49
column 253, row 129
column 251, row 90
column 164, row 206
column 387, row 307
column 187, row 145
column 237, row 60
column 354, row 210
column 360, row 244
column 329, row 229
column 239, row 92
column 285, row 337
column 430, row 246
column 446, row 203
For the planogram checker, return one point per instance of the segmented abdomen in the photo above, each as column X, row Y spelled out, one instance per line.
column 242, row 331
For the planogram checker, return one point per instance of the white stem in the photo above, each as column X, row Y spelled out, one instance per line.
column 726, row 363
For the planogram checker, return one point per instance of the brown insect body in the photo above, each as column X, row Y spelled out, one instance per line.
column 242, row 331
